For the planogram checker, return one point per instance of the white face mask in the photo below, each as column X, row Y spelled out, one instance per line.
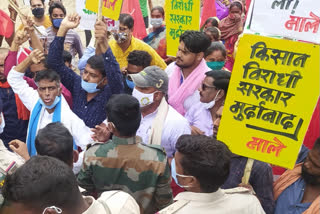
column 144, row 99
column 212, row 103
column 156, row 22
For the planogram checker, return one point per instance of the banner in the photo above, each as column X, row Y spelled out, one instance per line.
column 110, row 8
column 272, row 94
column 181, row 15
column 287, row 18
column 88, row 18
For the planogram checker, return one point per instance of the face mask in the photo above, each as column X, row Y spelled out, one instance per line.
column 174, row 174
column 38, row 12
column 144, row 99
column 212, row 103
column 56, row 22
column 156, row 22
column 90, row 87
column 130, row 84
column 56, row 209
column 55, row 102
column 120, row 37
column 217, row 65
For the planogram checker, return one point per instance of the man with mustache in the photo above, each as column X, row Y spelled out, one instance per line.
column 188, row 71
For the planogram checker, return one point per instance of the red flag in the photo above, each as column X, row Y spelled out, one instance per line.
column 248, row 4
column 132, row 7
column 208, row 10
column 313, row 131
column 6, row 25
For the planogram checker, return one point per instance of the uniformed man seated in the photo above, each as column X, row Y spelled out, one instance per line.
column 124, row 163
column 201, row 165
column 47, row 185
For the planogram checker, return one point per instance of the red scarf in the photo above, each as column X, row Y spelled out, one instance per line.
column 23, row 112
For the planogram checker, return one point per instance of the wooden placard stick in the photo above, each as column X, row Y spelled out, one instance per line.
column 16, row 8
column 99, row 18
column 247, row 171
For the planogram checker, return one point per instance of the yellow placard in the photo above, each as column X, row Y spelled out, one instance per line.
column 272, row 94
column 110, row 8
column 181, row 15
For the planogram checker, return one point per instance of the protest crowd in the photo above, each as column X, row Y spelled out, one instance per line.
column 118, row 124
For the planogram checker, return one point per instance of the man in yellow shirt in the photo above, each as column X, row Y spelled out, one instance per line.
column 124, row 42
column 38, row 9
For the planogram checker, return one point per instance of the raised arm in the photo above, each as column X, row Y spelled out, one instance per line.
column 35, row 41
column 55, row 58
column 11, row 60
column 111, row 65
column 88, row 52
column 28, row 95
column 13, row 17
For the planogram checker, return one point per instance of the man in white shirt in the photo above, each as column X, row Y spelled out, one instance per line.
column 160, row 124
column 47, row 185
column 201, row 165
column 46, row 104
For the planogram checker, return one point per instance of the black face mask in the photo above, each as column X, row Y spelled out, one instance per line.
column 38, row 12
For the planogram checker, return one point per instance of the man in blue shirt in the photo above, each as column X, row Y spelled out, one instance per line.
column 101, row 77
column 298, row 190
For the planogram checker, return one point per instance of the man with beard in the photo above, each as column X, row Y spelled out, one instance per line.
column 72, row 41
column 298, row 190
column 188, row 72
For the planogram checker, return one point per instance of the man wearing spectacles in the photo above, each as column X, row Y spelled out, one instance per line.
column 213, row 91
column 137, row 61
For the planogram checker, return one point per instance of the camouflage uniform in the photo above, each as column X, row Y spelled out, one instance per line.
column 126, row 164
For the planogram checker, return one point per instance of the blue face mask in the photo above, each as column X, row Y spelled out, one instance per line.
column 130, row 83
column 217, row 65
column 56, row 22
column 89, row 87
column 55, row 102
column 174, row 174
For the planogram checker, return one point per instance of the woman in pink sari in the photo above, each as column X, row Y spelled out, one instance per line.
column 231, row 27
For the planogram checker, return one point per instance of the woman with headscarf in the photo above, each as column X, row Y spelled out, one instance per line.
column 231, row 27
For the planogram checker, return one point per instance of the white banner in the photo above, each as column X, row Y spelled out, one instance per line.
column 88, row 18
column 287, row 18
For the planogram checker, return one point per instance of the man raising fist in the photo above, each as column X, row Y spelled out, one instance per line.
column 101, row 77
